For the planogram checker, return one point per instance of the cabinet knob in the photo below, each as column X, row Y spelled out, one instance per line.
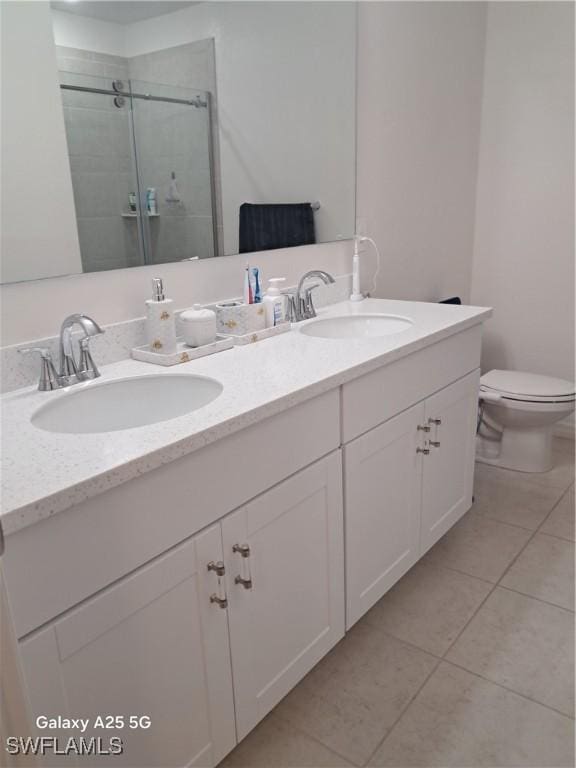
column 241, row 549
column 218, row 568
column 425, row 451
column 246, row 583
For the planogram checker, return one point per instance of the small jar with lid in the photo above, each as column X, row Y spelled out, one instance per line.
column 198, row 326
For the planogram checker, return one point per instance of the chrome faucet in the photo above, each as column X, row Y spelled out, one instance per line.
column 69, row 371
column 300, row 304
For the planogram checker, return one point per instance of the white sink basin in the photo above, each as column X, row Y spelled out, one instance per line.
column 126, row 403
column 356, row 326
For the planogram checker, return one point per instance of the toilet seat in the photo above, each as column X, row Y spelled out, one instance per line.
column 528, row 387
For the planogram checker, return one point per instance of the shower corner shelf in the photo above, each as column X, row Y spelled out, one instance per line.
column 133, row 215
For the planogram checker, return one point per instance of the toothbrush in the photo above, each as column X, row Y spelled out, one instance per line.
column 247, row 288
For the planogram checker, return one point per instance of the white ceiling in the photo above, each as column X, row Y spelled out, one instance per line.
column 120, row 11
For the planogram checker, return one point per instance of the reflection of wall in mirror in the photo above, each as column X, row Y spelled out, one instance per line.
column 39, row 235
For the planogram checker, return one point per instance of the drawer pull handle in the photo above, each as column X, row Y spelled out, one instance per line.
column 424, row 428
column 219, row 569
column 425, row 451
column 434, row 443
column 437, row 422
column 246, row 578
column 221, row 602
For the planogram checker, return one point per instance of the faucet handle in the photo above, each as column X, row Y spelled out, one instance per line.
column 87, row 368
column 291, row 309
column 48, row 377
column 308, row 309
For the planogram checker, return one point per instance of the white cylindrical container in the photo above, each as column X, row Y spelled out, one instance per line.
column 198, row 326
column 160, row 324
column 274, row 302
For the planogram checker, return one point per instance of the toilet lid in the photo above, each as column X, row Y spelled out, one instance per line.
column 528, row 386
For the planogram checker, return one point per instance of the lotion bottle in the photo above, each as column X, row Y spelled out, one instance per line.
column 274, row 302
column 160, row 323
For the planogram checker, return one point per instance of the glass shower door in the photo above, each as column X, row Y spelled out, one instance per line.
column 173, row 139
column 103, row 168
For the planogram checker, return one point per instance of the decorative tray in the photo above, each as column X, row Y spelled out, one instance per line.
column 254, row 336
column 183, row 353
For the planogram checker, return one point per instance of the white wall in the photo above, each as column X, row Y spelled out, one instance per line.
column 285, row 78
column 89, row 34
column 39, row 234
column 524, row 244
column 419, row 95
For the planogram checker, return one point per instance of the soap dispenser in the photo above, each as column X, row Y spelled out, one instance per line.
column 160, row 323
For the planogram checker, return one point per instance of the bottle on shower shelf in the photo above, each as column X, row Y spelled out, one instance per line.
column 151, row 201
column 173, row 195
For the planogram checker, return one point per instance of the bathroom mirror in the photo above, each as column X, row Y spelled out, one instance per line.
column 202, row 129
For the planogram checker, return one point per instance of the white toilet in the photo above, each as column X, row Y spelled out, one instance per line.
column 517, row 413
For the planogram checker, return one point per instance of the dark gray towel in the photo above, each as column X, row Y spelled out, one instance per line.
column 264, row 227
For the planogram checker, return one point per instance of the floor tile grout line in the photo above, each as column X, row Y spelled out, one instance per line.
column 506, row 688
column 405, row 709
column 313, row 738
column 494, row 586
column 487, row 516
column 556, row 535
column 476, row 674
column 317, row 740
column 463, row 573
column 538, row 599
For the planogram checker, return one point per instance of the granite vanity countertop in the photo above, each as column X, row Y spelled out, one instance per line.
column 44, row 472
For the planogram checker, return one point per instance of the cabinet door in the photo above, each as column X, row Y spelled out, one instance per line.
column 151, row 645
column 382, row 471
column 292, row 612
column 449, row 467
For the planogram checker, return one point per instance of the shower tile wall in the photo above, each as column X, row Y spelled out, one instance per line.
column 175, row 138
column 170, row 138
column 101, row 164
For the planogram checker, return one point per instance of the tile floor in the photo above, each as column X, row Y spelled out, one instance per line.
column 466, row 662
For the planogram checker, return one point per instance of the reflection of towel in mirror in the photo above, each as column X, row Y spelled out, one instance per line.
column 264, row 227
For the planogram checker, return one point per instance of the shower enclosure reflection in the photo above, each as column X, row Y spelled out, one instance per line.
column 141, row 160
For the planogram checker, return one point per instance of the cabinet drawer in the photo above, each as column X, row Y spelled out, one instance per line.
column 376, row 397
column 56, row 563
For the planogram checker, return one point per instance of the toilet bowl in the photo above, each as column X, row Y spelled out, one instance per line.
column 517, row 414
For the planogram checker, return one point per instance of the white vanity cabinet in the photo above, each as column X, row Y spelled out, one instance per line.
column 448, row 470
column 284, row 555
column 407, row 482
column 201, row 592
column 151, row 645
column 382, row 471
column 184, row 641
